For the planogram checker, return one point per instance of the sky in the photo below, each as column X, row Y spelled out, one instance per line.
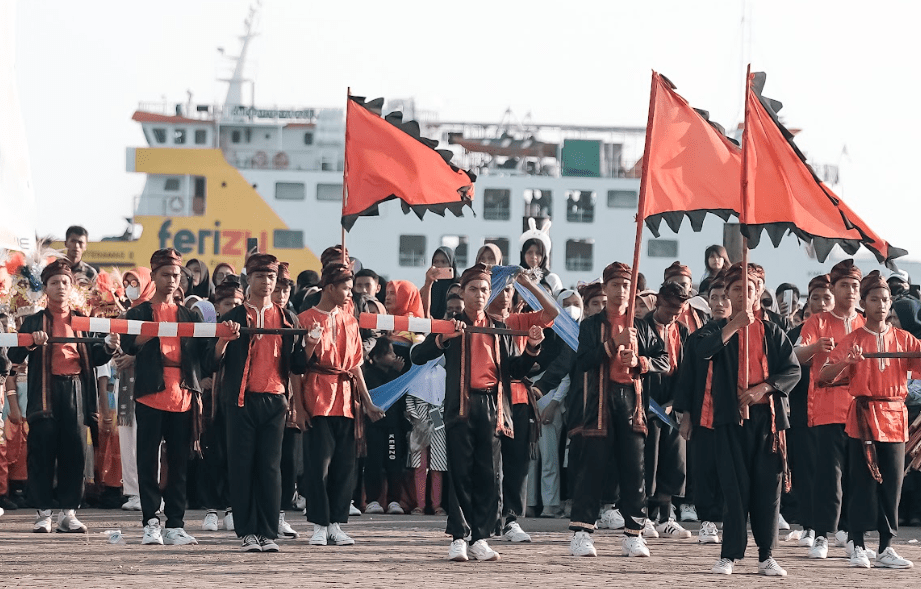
column 846, row 74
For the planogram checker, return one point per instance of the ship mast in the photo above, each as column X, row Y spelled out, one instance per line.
column 235, row 82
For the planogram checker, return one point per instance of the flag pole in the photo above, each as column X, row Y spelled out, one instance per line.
column 345, row 171
column 743, row 218
column 641, row 205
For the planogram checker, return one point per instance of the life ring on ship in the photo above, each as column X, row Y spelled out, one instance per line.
column 260, row 160
column 176, row 204
column 280, row 160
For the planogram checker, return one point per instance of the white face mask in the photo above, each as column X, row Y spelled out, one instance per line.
column 574, row 311
column 132, row 292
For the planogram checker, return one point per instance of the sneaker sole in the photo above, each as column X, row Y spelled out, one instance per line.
column 494, row 558
column 174, row 543
column 317, row 543
column 708, row 541
column 346, row 543
column 77, row 531
column 151, row 543
column 459, row 558
column 269, row 549
column 587, row 554
column 891, row 566
column 209, row 529
column 288, row 535
column 255, row 548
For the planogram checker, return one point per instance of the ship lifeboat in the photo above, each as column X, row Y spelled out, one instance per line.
column 260, row 160
column 280, row 160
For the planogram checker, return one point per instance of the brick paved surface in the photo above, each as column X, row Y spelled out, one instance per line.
column 393, row 551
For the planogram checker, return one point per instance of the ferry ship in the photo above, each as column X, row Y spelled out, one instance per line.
column 223, row 179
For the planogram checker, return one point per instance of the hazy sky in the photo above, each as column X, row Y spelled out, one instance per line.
column 846, row 73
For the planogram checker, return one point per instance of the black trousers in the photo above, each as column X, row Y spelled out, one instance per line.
column 750, row 477
column 516, row 461
column 873, row 505
column 254, row 437
column 212, row 485
column 708, row 497
column 473, row 493
column 829, row 489
column 55, row 448
column 621, row 449
column 292, row 456
column 666, row 468
column 329, row 469
column 153, row 427
column 385, row 463
column 802, row 455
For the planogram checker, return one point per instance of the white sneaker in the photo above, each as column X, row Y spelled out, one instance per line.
column 337, row 536
column 228, row 521
column 284, row 528
column 319, row 535
column 133, row 503
column 458, row 551
column 649, row 529
column 211, row 523
column 688, row 512
column 634, row 546
column 708, row 534
column 782, row 525
column 353, row 511
column 300, row 502
column 849, row 550
column 251, row 544
column 723, row 566
column 672, row 529
column 374, row 508
column 819, row 548
column 582, row 544
column 178, row 537
column 888, row 559
column 68, row 522
column 807, row 538
column 152, row 532
column 42, row 522
column 610, row 519
column 770, row 568
column 394, row 508
column 859, row 558
column 480, row 550
column 841, row 538
column 514, row 533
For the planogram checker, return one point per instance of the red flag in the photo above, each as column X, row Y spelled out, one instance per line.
column 690, row 167
column 387, row 159
column 781, row 193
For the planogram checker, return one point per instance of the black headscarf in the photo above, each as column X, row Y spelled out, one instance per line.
column 204, row 289
column 907, row 310
column 439, row 296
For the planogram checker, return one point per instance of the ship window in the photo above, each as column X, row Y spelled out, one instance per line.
column 198, row 199
column 308, row 138
column 160, row 135
column 662, row 248
column 287, row 239
column 249, row 135
column 496, row 204
column 329, row 192
column 459, row 244
column 171, row 185
column 501, row 243
column 235, row 136
column 622, row 199
column 579, row 254
column 201, row 136
column 290, row 191
column 179, row 136
column 580, row 206
column 412, row 250
column 538, row 203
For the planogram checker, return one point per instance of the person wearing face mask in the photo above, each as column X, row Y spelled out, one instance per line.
column 545, row 470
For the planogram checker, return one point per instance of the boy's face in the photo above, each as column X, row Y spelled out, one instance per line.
column 596, row 305
column 261, row 284
column 667, row 312
column 341, row 292
column 820, row 300
column 877, row 303
column 366, row 285
column 617, row 290
column 225, row 305
column 720, row 307
column 476, row 293
column 455, row 307
column 281, row 294
column 166, row 280
column 847, row 291
column 736, row 293
column 75, row 245
column 58, row 289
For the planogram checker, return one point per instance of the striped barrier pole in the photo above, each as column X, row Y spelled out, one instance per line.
column 423, row 325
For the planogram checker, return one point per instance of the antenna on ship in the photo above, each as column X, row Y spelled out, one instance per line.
column 235, row 82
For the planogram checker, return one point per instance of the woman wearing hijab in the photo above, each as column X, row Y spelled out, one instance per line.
column 138, row 288
column 489, row 255
column 403, row 299
column 221, row 271
column 201, row 279
column 535, row 256
column 435, row 290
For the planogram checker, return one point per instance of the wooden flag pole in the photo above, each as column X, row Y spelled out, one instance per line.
column 345, row 171
column 743, row 342
column 641, row 206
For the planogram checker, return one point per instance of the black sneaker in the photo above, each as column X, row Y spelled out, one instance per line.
column 251, row 544
column 8, row 504
column 267, row 544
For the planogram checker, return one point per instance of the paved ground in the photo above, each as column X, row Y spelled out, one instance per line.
column 391, row 551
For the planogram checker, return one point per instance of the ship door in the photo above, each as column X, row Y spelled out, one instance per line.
column 198, row 197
